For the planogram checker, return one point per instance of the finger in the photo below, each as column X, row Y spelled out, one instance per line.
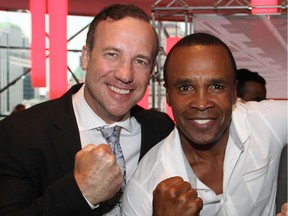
column 191, row 200
column 104, row 147
column 183, row 187
column 167, row 183
column 89, row 147
column 173, row 180
column 190, row 194
column 284, row 209
column 199, row 202
column 103, row 152
column 196, row 205
column 172, row 188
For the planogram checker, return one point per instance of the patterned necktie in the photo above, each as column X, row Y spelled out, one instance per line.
column 111, row 135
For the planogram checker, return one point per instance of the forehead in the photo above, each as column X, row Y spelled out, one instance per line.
column 127, row 27
column 202, row 60
column 199, row 53
column 127, row 34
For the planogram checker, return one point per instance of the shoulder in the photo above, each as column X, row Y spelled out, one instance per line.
column 144, row 116
column 155, row 126
column 262, row 106
column 267, row 118
column 38, row 115
column 138, row 111
column 267, row 109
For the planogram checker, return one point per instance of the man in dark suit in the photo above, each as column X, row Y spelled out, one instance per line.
column 53, row 159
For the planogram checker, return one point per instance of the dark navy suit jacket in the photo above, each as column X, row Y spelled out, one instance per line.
column 37, row 150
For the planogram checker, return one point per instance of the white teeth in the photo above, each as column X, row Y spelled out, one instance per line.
column 202, row 121
column 120, row 91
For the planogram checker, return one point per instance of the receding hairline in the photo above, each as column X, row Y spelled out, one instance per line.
column 117, row 12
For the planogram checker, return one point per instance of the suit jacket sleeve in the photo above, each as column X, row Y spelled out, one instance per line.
column 37, row 149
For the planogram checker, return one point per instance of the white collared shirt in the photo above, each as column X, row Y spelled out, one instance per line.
column 257, row 135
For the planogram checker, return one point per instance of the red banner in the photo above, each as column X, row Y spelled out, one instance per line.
column 38, row 48
column 264, row 3
column 58, row 81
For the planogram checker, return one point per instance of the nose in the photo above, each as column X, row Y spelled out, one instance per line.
column 201, row 100
column 124, row 72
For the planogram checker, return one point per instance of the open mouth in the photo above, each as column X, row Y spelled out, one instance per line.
column 119, row 91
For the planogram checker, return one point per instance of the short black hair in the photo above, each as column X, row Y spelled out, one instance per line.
column 244, row 75
column 200, row 39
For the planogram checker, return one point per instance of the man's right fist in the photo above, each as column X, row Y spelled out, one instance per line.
column 174, row 196
column 97, row 173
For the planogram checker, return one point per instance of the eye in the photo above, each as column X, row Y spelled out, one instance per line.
column 141, row 64
column 111, row 55
column 140, row 61
column 185, row 87
column 217, row 86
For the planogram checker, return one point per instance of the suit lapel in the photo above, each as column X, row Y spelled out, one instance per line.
column 64, row 131
column 139, row 114
column 155, row 126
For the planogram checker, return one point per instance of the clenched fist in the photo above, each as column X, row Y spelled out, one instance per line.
column 284, row 210
column 173, row 196
column 97, row 173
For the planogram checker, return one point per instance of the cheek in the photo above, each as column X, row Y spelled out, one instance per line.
column 225, row 99
column 142, row 78
column 97, row 68
column 179, row 103
column 226, row 113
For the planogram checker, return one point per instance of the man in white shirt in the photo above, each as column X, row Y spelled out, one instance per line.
column 53, row 158
column 223, row 156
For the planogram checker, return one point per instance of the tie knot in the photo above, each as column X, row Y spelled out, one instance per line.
column 110, row 134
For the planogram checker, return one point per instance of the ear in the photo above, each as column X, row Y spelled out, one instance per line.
column 167, row 95
column 235, row 92
column 85, row 58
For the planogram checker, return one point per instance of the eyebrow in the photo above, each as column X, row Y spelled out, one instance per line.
column 182, row 81
column 218, row 80
column 111, row 48
column 137, row 56
column 144, row 57
column 189, row 81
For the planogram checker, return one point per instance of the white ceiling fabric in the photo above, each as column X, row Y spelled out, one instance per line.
column 258, row 43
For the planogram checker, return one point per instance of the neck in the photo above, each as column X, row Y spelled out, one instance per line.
column 213, row 151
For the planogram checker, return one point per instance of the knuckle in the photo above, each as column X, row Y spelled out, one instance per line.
column 111, row 159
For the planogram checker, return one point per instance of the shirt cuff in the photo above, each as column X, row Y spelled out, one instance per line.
column 91, row 206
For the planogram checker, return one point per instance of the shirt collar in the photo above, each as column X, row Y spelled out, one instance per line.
column 87, row 119
column 239, row 129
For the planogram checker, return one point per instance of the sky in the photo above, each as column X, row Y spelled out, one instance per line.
column 74, row 24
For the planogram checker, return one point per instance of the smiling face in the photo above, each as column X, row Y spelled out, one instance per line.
column 201, row 90
column 119, row 66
